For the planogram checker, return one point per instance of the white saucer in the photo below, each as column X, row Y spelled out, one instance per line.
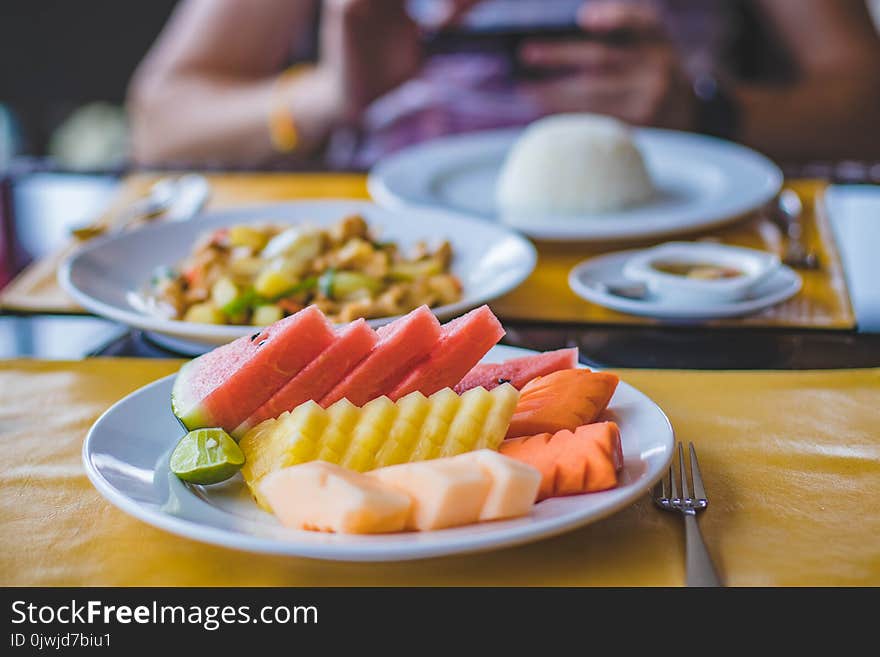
column 587, row 277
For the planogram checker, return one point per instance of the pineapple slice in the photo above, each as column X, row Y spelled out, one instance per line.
column 498, row 418
column 274, row 444
column 413, row 409
column 381, row 433
column 444, row 406
column 370, row 434
column 343, row 416
column 467, row 423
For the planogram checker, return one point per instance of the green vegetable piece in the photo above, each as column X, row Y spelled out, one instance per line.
column 303, row 286
column 162, row 273
column 344, row 285
column 325, row 283
column 206, row 456
column 266, row 314
column 349, row 283
column 242, row 303
column 411, row 271
column 224, row 292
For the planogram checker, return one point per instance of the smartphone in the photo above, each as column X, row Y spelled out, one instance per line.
column 501, row 26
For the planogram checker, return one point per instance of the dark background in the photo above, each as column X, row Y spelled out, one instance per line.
column 58, row 54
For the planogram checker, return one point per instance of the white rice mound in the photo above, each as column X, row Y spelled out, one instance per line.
column 572, row 164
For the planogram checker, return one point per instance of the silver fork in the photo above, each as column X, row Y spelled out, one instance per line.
column 699, row 566
column 790, row 211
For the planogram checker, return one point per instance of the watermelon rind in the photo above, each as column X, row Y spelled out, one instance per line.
column 187, row 410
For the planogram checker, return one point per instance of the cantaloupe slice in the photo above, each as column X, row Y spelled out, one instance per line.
column 324, row 497
column 565, row 399
column 444, row 492
column 584, row 461
column 463, row 489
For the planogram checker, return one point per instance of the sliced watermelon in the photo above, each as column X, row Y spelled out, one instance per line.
column 402, row 344
column 518, row 371
column 463, row 342
column 223, row 387
column 316, row 379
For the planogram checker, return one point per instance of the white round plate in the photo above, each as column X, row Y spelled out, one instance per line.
column 109, row 275
column 126, row 457
column 702, row 181
column 585, row 280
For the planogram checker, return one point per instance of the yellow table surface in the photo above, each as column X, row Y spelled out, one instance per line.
column 791, row 461
column 545, row 296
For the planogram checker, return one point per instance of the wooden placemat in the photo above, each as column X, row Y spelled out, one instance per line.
column 545, row 297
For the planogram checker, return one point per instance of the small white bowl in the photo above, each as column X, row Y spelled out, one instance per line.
column 754, row 266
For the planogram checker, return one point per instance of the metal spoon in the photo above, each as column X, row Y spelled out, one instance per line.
column 790, row 211
column 181, row 198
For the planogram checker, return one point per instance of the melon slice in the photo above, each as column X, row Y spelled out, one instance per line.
column 514, row 484
column 339, row 500
column 401, row 345
column 444, row 493
column 463, row 342
column 316, row 379
column 518, row 371
column 586, row 460
column 463, row 489
column 223, row 387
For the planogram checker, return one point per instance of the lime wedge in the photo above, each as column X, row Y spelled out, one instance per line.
column 206, row 456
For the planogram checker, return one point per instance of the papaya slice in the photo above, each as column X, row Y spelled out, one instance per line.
column 586, row 460
column 565, row 399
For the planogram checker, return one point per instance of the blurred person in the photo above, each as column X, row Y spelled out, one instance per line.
column 796, row 80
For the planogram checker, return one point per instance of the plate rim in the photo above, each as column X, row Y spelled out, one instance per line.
column 260, row 545
column 210, row 333
column 379, row 189
column 584, row 293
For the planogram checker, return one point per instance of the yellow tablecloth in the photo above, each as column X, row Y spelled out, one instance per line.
column 545, row 296
column 791, row 462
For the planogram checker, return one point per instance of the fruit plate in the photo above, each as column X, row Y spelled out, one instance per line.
column 127, row 451
column 702, row 182
column 109, row 275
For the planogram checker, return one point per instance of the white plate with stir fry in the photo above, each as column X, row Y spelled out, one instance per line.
column 212, row 279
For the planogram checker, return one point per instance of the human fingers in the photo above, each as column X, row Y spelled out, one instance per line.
column 609, row 16
column 450, row 12
column 575, row 54
column 581, row 93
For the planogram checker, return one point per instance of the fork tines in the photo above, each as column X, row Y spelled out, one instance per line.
column 673, row 492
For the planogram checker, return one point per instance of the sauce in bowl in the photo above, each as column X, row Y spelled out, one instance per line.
column 696, row 270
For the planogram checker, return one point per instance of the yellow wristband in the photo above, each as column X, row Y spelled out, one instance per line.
column 282, row 126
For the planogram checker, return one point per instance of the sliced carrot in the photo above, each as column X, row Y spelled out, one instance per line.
column 193, row 276
column 584, row 461
column 565, row 399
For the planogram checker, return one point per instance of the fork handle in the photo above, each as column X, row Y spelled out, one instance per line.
column 700, row 570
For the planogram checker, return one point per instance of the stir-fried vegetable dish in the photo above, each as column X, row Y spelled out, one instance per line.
column 258, row 273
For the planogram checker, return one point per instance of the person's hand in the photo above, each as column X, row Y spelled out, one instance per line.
column 367, row 47
column 639, row 80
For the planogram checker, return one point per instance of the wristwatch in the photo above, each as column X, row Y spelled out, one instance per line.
column 717, row 111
